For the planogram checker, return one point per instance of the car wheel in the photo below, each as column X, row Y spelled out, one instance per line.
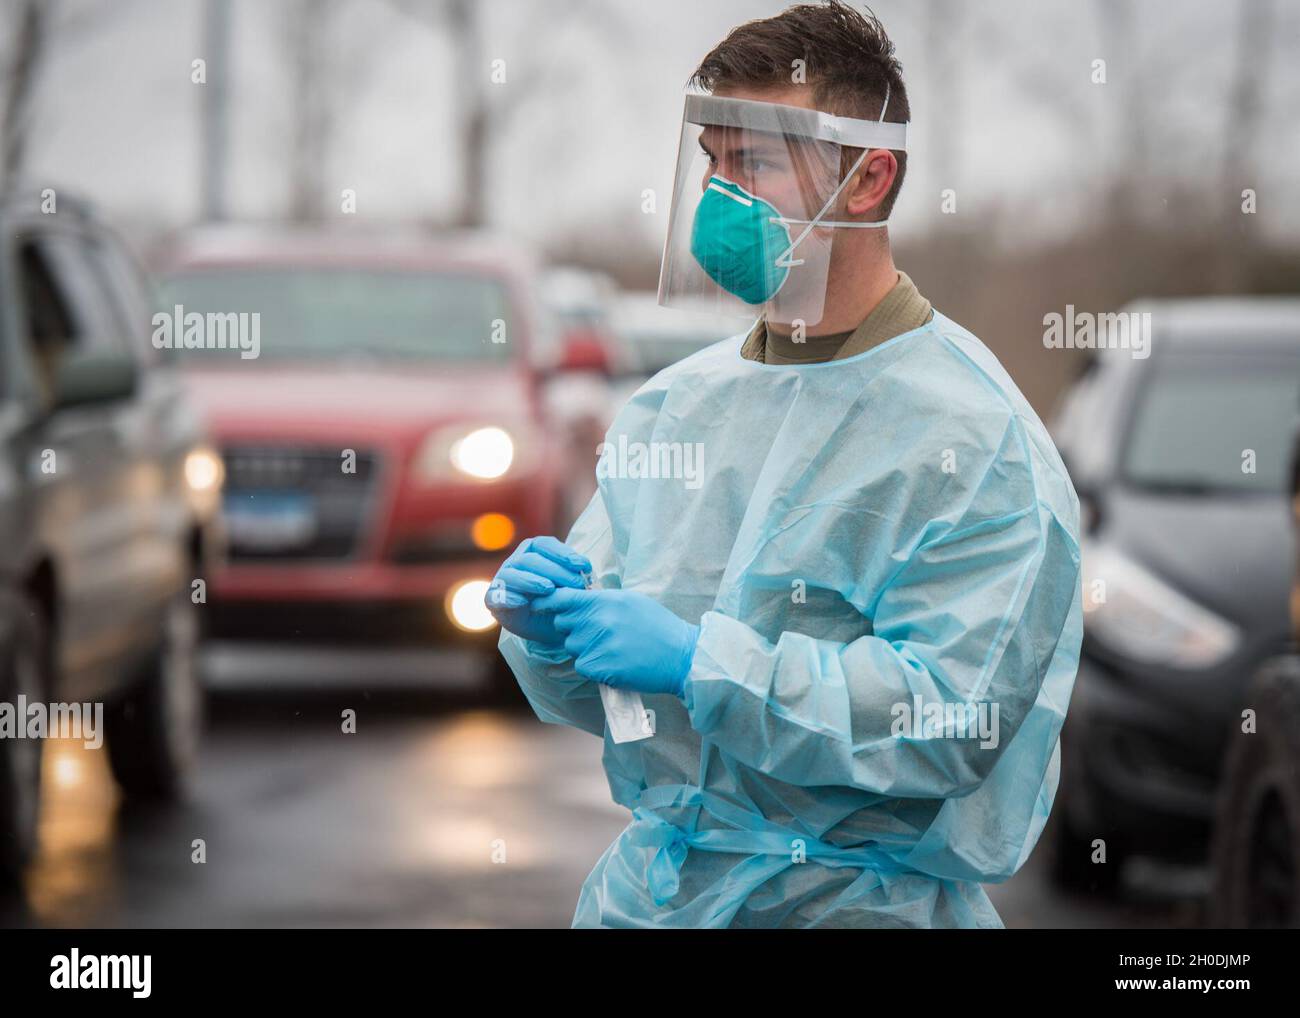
column 153, row 730
column 26, row 672
column 1256, row 850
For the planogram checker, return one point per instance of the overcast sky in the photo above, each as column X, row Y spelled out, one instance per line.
column 1004, row 108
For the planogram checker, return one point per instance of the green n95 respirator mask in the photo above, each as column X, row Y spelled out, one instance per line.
column 738, row 239
column 749, row 231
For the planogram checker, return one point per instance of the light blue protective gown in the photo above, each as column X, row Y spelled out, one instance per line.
column 892, row 526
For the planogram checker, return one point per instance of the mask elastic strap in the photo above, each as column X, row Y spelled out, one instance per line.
column 784, row 260
column 831, row 223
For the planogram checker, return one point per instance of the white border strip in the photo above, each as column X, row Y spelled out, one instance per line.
column 749, row 114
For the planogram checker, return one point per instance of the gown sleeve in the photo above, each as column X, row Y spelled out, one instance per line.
column 973, row 616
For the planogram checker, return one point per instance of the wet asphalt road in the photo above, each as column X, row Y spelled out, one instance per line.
column 436, row 813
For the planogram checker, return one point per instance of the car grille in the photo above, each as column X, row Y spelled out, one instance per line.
column 294, row 502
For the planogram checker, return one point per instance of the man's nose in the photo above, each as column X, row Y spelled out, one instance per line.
column 733, row 171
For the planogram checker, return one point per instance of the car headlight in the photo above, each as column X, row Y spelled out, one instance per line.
column 466, row 608
column 1133, row 611
column 204, row 470
column 484, row 453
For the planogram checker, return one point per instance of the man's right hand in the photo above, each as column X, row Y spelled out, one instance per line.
column 537, row 567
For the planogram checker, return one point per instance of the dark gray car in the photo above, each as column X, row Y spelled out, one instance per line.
column 107, row 498
column 1181, row 461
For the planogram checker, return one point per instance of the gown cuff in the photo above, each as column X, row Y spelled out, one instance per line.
column 705, row 671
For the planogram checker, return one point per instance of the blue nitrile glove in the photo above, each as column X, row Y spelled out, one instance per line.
column 623, row 639
column 536, row 568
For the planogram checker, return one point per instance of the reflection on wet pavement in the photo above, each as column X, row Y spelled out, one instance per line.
column 433, row 813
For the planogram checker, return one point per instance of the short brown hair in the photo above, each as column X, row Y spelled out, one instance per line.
column 848, row 58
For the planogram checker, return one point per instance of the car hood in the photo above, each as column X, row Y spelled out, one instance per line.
column 1234, row 554
column 322, row 403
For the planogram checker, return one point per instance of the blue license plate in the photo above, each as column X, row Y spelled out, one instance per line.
column 268, row 520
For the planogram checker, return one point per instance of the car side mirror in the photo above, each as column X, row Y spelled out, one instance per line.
column 94, row 378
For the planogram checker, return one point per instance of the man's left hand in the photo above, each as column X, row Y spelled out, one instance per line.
column 623, row 639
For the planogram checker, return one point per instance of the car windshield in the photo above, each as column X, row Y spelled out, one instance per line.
column 327, row 313
column 1215, row 424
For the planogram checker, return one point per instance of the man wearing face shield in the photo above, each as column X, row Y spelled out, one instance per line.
column 858, row 635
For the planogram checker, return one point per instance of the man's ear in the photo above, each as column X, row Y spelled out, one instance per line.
column 871, row 183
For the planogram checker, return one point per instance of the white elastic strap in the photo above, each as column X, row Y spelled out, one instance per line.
column 838, row 224
column 784, row 260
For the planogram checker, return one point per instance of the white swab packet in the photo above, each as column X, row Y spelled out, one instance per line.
column 625, row 713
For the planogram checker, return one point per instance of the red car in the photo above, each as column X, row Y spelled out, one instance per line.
column 380, row 420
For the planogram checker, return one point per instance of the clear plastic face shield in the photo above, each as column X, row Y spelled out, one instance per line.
column 755, row 204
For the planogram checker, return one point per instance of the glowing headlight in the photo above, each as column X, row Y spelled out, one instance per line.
column 486, row 453
column 466, row 608
column 1136, row 613
column 204, row 470
column 483, row 452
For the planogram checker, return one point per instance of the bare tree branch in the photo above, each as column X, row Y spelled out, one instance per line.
column 30, row 41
